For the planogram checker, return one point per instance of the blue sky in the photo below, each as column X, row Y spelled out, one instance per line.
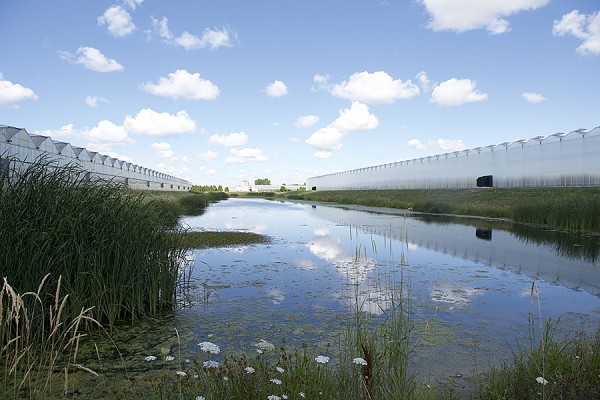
column 223, row 91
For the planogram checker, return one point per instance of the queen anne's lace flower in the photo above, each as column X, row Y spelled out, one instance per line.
column 181, row 373
column 264, row 345
column 210, row 364
column 209, row 347
column 541, row 380
column 280, row 370
column 150, row 358
column 322, row 359
column 359, row 361
column 276, row 381
column 169, row 358
column 249, row 370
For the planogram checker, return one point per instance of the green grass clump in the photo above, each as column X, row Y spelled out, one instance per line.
column 566, row 368
column 111, row 249
column 204, row 239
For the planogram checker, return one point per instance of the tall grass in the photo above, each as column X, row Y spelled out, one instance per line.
column 111, row 249
column 581, row 214
column 39, row 344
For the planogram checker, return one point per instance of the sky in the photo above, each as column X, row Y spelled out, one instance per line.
column 217, row 92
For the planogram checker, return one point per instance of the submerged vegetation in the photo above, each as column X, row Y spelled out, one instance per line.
column 203, row 239
column 574, row 209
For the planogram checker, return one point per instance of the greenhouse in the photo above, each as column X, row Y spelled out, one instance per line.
column 560, row 159
column 17, row 143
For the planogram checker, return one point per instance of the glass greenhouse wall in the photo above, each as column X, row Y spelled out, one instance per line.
column 571, row 159
column 19, row 144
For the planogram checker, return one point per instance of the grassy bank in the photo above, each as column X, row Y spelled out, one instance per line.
column 573, row 209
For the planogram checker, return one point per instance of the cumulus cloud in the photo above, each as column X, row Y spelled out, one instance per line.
column 423, row 81
column 417, row 144
column 163, row 149
column 230, row 139
column 465, row 15
column 210, row 38
column 91, row 58
column 532, row 97
column 132, row 3
column 276, row 89
column 182, row 84
column 207, row 155
column 374, row 88
column 353, row 119
column 327, row 138
column 245, row 155
column 106, row 149
column 455, row 92
column 583, row 26
column 117, row 20
column 105, row 132
column 92, row 101
column 152, row 123
column 13, row 93
column 305, row 121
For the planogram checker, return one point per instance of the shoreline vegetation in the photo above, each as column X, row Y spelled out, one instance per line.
column 573, row 209
column 79, row 258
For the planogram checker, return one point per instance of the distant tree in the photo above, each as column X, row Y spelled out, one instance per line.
column 220, row 188
column 283, row 189
column 302, row 189
column 226, row 189
column 264, row 181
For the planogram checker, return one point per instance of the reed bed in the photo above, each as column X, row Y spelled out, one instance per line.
column 112, row 250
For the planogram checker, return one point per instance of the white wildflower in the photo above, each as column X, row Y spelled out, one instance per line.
column 200, row 398
column 359, row 361
column 249, row 370
column 210, row 364
column 264, row 345
column 181, row 373
column 284, row 396
column 301, row 394
column 322, row 359
column 273, row 397
column 150, row 358
column 169, row 358
column 276, row 381
column 280, row 370
column 541, row 380
column 209, row 347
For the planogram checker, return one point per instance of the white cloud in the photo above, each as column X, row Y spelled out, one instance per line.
column 105, row 132
column 211, row 38
column 424, row 82
column 582, row 26
column 106, row 149
column 245, row 155
column 327, row 138
column 320, row 82
column 93, row 59
column 182, row 84
column 152, row 123
column 207, row 155
column 465, row 15
column 276, row 89
column 229, row 140
column 533, row 97
column 305, row 121
column 455, row 92
column 132, row 3
column 322, row 154
column 92, row 101
column 417, row 144
column 449, row 144
column 163, row 150
column 355, row 118
column 374, row 88
column 12, row 93
column 117, row 20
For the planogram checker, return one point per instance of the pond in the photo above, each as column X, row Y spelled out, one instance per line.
column 476, row 289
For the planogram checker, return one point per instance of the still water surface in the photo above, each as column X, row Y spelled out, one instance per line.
column 476, row 288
